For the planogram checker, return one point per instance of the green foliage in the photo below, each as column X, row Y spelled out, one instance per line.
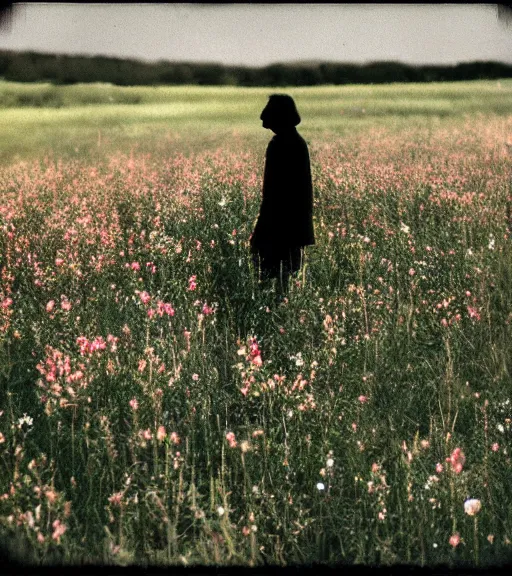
column 158, row 405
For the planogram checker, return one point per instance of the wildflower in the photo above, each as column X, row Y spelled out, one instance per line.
column 25, row 420
column 135, row 266
column 320, row 486
column 220, row 511
column 65, row 304
column 363, row 399
column 161, row 434
column 116, row 498
column 175, row 439
column 454, row 539
column 495, row 447
column 330, row 463
column 457, row 460
column 472, row 506
column 230, row 437
column 473, row 312
column 134, row 404
column 51, row 496
column 2, row 438
column 490, row 538
column 145, row 297
column 192, row 284
column 207, row 310
column 439, row 468
column 50, row 306
column 246, row 531
column 58, row 530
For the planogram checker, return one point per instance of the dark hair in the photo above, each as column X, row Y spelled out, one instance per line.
column 281, row 107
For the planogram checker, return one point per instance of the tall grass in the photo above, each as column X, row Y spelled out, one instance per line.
column 157, row 405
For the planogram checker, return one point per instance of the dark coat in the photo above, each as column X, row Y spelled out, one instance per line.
column 285, row 220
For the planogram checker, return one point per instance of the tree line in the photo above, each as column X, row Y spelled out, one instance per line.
column 67, row 69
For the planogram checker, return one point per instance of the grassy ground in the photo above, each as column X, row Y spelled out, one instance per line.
column 156, row 405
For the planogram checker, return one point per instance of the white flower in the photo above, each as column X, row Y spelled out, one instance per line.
column 330, row 463
column 472, row 506
column 298, row 359
column 223, row 202
column 404, row 228
column 501, row 428
column 320, row 486
column 25, row 420
column 491, row 242
column 254, row 528
column 220, row 510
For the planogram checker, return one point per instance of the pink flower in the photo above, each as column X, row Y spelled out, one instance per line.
column 65, row 304
column 454, row 539
column 439, row 468
column 473, row 313
column 134, row 404
column 175, row 439
column 59, row 530
column 50, row 305
column 146, row 434
column 135, row 266
column 168, row 309
column 145, row 297
column 59, row 261
column 195, row 377
column 116, row 498
column 192, row 283
column 457, row 460
column 363, row 399
column 230, row 437
column 142, row 365
column 495, row 447
column 207, row 310
column 161, row 434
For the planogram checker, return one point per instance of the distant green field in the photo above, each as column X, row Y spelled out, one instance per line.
column 95, row 119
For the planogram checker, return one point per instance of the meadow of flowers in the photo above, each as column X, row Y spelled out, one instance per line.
column 158, row 406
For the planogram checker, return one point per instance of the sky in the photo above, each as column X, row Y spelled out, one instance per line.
column 261, row 34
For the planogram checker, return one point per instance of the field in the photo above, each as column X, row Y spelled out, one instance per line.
column 158, row 406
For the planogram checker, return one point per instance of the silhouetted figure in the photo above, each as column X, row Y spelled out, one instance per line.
column 285, row 221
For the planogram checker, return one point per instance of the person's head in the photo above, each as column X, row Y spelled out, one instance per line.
column 280, row 113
